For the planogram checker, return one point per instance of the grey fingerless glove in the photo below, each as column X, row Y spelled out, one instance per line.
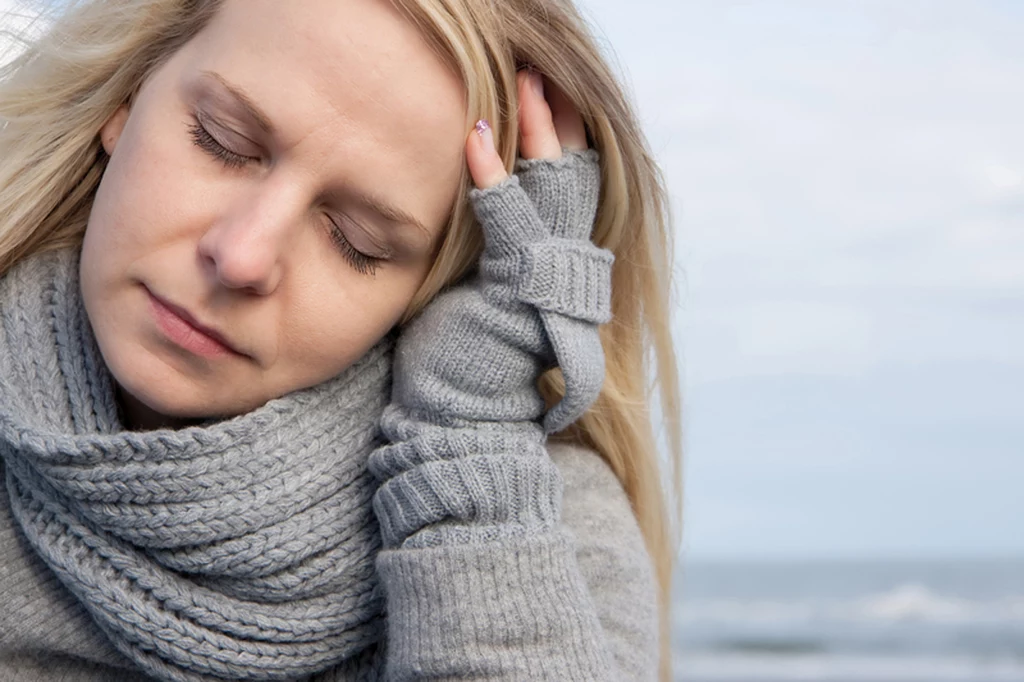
column 467, row 460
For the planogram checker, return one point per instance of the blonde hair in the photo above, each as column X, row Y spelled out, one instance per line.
column 92, row 56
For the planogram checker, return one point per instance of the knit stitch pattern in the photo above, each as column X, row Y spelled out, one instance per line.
column 467, row 460
column 476, row 554
column 242, row 549
column 248, row 548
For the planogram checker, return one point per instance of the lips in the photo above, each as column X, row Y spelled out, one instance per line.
column 184, row 330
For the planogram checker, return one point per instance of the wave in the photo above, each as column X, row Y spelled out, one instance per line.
column 909, row 602
column 774, row 647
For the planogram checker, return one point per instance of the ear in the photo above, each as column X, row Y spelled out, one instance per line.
column 110, row 133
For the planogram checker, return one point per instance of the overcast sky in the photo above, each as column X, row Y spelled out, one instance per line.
column 848, row 183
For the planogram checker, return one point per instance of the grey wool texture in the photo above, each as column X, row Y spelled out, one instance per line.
column 406, row 520
column 467, row 460
column 238, row 550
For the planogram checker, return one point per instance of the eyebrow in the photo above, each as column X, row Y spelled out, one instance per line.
column 389, row 211
column 375, row 203
column 243, row 100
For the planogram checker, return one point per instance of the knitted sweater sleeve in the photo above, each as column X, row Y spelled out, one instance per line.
column 483, row 578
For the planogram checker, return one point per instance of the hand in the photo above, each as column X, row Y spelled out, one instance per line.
column 467, row 460
column 476, row 351
column 546, row 125
column 553, row 264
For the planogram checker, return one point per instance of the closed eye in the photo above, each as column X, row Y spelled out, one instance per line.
column 202, row 138
column 362, row 263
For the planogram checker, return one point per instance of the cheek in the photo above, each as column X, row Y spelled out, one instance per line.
column 106, row 239
column 389, row 293
column 151, row 186
column 337, row 322
column 380, row 302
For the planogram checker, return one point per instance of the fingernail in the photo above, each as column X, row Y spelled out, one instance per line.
column 483, row 129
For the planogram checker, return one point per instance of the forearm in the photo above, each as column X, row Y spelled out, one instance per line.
column 467, row 459
column 466, row 423
column 482, row 581
column 514, row 609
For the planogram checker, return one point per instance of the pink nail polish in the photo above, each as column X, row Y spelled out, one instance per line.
column 483, row 129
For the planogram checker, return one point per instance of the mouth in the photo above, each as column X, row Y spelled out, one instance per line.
column 185, row 331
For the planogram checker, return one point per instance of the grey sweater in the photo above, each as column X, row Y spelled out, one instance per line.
column 457, row 606
column 503, row 557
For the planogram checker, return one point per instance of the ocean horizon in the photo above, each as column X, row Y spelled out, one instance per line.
column 831, row 620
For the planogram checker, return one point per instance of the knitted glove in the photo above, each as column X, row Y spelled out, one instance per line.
column 467, row 460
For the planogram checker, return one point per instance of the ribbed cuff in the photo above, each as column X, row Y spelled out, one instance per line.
column 516, row 610
column 569, row 277
column 520, row 491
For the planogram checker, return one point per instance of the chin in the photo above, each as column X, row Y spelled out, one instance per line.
column 153, row 393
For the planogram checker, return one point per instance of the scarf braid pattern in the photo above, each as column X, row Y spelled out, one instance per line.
column 239, row 549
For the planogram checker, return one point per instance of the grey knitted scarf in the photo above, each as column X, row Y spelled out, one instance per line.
column 241, row 549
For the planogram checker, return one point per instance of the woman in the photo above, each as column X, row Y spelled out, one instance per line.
column 243, row 435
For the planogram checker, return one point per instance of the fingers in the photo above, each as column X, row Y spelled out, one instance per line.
column 537, row 136
column 548, row 122
column 485, row 165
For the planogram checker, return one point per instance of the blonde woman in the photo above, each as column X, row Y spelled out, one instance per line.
column 323, row 351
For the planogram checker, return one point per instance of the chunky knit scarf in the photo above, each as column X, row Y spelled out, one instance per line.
column 241, row 549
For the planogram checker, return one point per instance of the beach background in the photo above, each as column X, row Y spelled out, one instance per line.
column 847, row 181
column 851, row 621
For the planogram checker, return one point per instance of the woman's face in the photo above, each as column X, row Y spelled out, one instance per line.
column 272, row 203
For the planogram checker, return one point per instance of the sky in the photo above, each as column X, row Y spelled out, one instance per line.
column 847, row 180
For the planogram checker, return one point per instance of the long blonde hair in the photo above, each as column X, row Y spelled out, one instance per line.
column 93, row 55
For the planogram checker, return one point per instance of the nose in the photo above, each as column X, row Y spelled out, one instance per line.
column 246, row 246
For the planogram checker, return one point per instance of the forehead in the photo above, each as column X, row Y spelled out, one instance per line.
column 352, row 88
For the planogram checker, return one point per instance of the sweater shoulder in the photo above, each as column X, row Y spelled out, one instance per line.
column 595, row 507
column 582, row 468
column 612, row 557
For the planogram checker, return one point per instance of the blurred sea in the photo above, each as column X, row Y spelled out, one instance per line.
column 850, row 621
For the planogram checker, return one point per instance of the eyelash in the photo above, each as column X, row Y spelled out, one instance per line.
column 360, row 262
column 201, row 137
